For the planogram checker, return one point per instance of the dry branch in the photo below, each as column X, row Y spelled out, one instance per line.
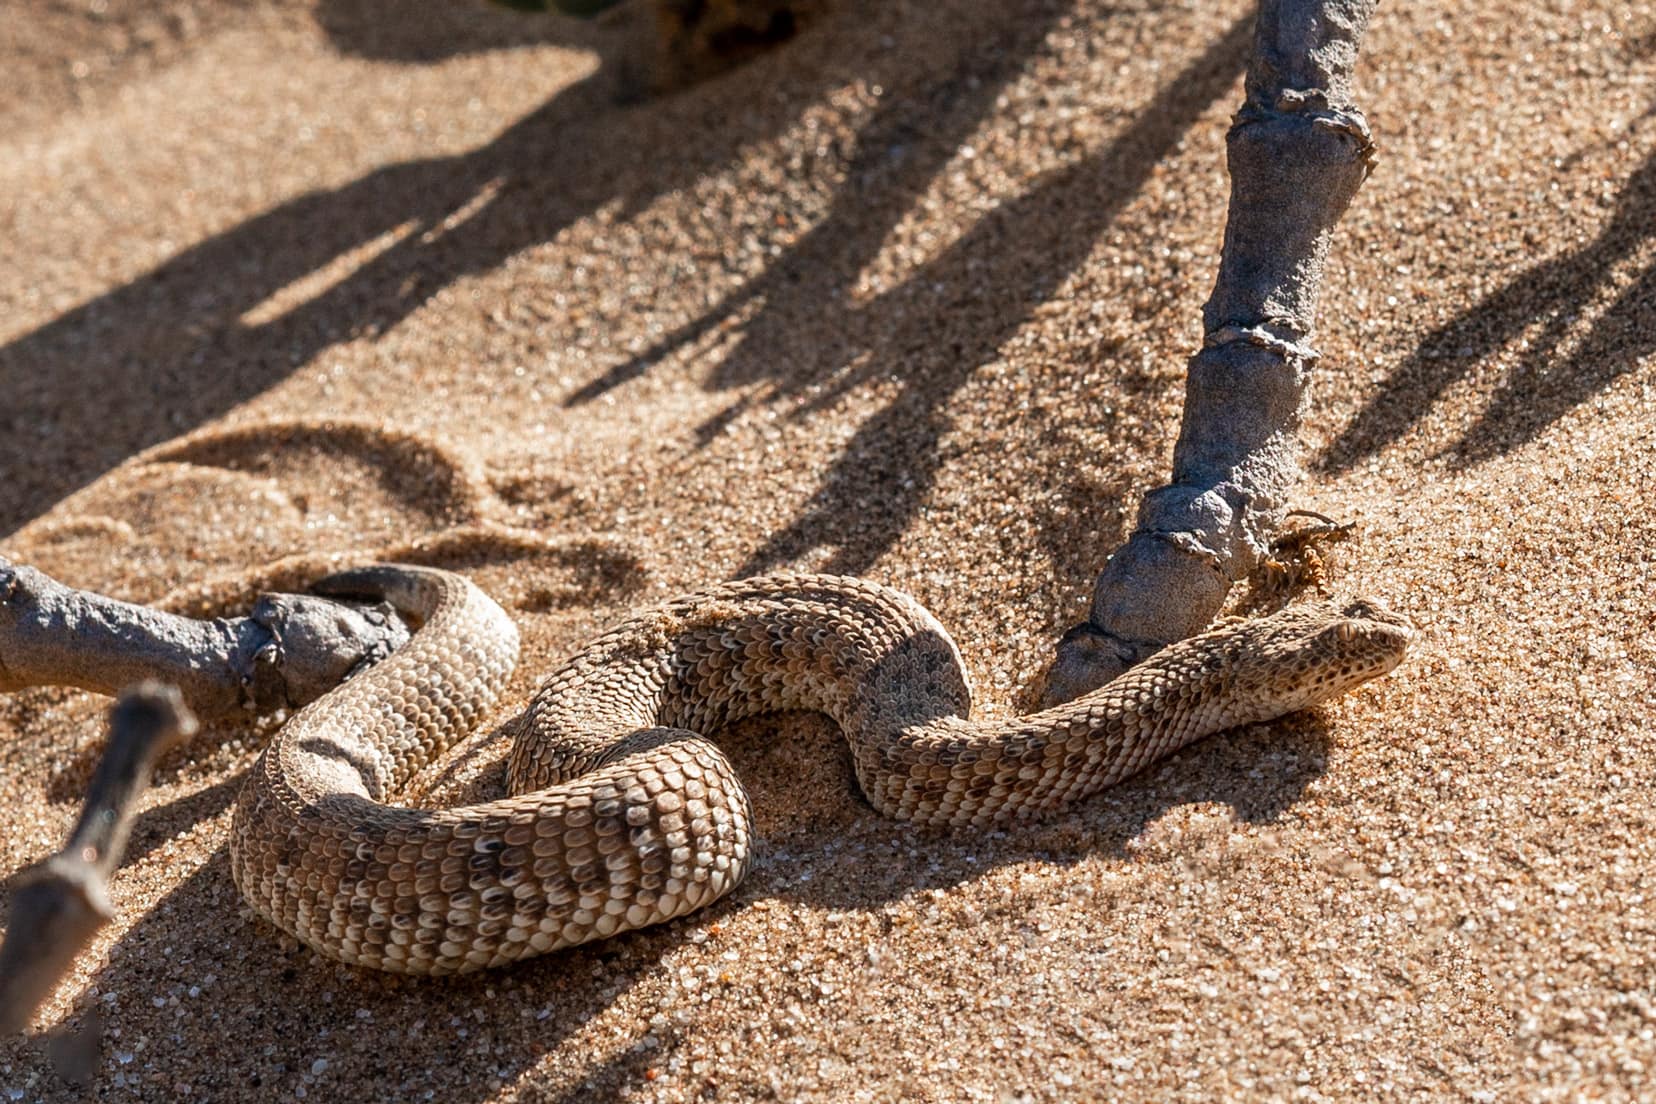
column 289, row 651
column 1298, row 151
column 60, row 904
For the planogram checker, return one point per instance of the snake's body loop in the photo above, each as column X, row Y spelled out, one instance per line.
column 623, row 813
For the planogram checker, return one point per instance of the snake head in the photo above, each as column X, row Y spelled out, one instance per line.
column 1315, row 652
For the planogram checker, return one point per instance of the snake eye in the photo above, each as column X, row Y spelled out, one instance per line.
column 1345, row 632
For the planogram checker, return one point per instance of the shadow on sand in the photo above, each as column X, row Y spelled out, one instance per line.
column 179, row 336
column 1551, row 375
column 821, row 846
column 986, row 284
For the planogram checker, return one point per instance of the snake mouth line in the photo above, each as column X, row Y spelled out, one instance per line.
column 1399, row 635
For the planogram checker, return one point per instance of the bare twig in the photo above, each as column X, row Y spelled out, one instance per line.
column 1298, row 151
column 58, row 905
column 289, row 651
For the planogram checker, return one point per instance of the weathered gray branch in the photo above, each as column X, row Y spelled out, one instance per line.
column 59, row 905
column 289, row 651
column 1298, row 151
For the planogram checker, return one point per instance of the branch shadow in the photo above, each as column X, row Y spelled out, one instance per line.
column 1538, row 309
column 186, row 320
column 458, row 1038
column 822, row 846
column 192, row 338
column 386, row 30
column 986, row 284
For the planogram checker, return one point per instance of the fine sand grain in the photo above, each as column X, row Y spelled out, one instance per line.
column 908, row 297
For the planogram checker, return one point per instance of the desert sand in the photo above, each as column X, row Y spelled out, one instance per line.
column 908, row 297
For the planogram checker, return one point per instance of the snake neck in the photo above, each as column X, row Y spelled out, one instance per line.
column 1179, row 695
column 954, row 772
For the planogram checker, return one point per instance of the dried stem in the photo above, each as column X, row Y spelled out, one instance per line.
column 60, row 904
column 288, row 652
column 1298, row 151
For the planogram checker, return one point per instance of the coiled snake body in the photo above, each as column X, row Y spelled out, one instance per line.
column 623, row 814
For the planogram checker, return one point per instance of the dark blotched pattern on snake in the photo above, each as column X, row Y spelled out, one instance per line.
column 625, row 814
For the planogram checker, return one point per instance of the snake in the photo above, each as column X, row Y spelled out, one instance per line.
column 621, row 811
